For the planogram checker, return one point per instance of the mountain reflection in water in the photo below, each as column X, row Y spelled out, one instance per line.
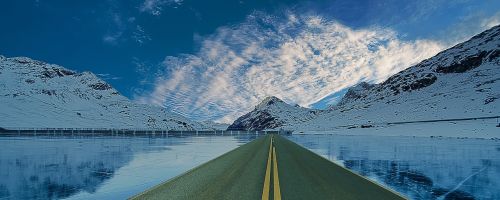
column 100, row 167
column 418, row 167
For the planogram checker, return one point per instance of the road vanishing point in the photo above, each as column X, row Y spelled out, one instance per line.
column 270, row 167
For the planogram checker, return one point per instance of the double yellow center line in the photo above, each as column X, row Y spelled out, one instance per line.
column 267, row 179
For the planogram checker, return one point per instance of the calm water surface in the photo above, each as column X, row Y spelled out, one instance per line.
column 100, row 167
column 419, row 168
column 119, row 167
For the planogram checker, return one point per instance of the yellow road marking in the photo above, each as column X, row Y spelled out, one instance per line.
column 265, row 191
column 277, row 192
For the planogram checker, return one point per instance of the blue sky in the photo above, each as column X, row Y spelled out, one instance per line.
column 216, row 59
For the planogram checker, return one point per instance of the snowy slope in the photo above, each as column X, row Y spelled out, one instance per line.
column 214, row 125
column 461, row 82
column 36, row 94
column 272, row 113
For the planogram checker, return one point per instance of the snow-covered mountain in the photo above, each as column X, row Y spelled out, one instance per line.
column 214, row 125
column 272, row 113
column 460, row 82
column 35, row 94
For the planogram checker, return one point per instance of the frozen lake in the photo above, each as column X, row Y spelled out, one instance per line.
column 418, row 167
column 100, row 167
column 119, row 167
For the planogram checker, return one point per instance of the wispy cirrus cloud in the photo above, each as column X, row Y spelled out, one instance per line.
column 108, row 77
column 468, row 26
column 114, row 34
column 155, row 7
column 491, row 21
column 300, row 59
column 140, row 36
column 122, row 29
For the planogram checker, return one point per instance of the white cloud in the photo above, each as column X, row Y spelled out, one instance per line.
column 145, row 71
column 140, row 36
column 108, row 39
column 300, row 59
column 114, row 35
column 124, row 29
column 491, row 21
column 112, row 38
column 108, row 77
column 155, row 7
column 469, row 26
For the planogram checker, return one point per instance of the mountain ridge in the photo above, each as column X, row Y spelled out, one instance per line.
column 271, row 113
column 35, row 94
column 457, row 82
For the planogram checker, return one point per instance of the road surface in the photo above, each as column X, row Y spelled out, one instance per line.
column 270, row 167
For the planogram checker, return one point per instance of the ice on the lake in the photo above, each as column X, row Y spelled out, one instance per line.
column 99, row 168
column 418, row 167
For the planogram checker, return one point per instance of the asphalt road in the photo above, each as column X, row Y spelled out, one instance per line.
column 270, row 167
